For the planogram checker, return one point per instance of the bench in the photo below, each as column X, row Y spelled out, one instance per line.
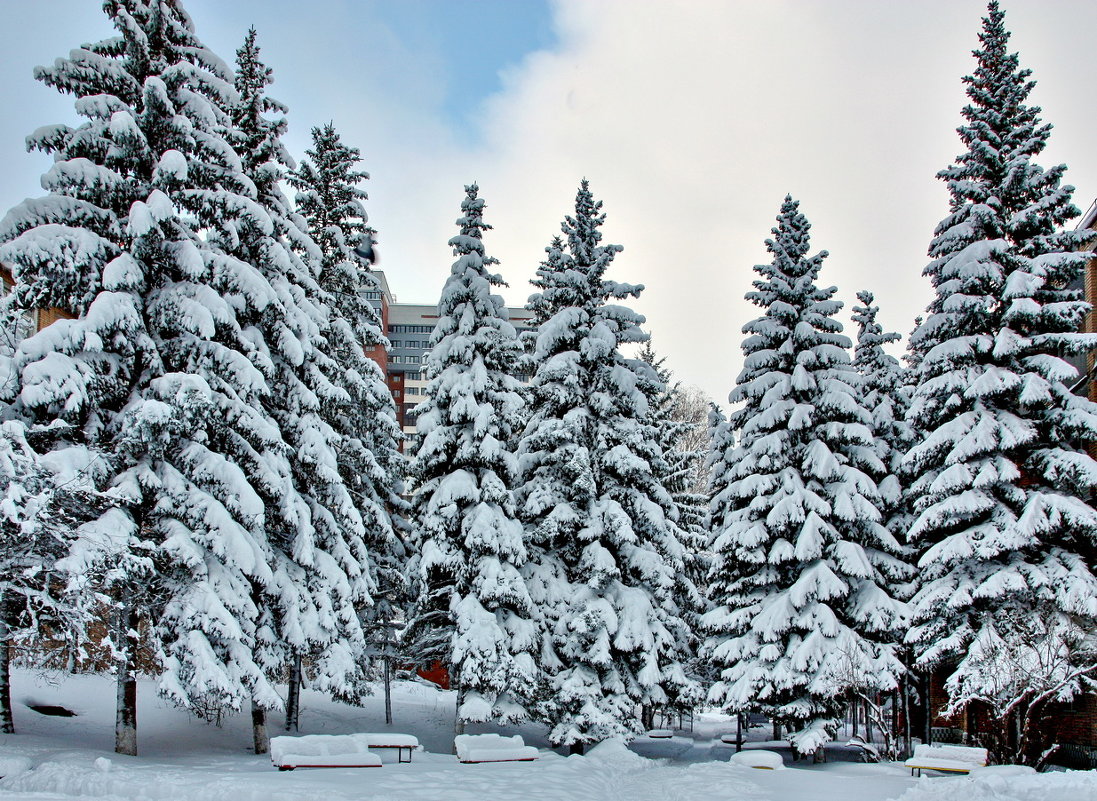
column 322, row 751
column 949, row 758
column 758, row 758
column 338, row 750
column 387, row 742
column 475, row 748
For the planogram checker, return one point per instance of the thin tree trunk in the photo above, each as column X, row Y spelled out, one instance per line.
column 868, row 722
column 7, row 720
column 908, row 746
column 293, row 695
column 259, row 728
column 459, row 723
column 388, row 689
column 125, row 721
column 928, row 711
column 853, row 717
column 776, row 730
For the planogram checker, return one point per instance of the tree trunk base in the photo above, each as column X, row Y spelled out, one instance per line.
column 259, row 729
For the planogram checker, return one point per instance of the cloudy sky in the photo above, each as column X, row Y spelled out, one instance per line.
column 691, row 118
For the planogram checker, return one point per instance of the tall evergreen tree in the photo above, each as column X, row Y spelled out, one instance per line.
column 156, row 376
column 317, row 531
column 718, row 461
column 885, row 396
column 364, row 416
column 605, row 548
column 1007, row 600
column 801, row 611
column 475, row 605
column 676, row 472
column 36, row 529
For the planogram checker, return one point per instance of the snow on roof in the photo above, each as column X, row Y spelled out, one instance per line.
column 1089, row 219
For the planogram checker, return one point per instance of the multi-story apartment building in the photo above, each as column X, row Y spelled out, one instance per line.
column 408, row 327
column 1086, row 367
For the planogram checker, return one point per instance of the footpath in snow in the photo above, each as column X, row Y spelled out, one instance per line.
column 185, row 759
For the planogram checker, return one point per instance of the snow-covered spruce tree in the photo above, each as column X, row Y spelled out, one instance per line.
column 1004, row 527
column 330, row 200
column 604, row 546
column 676, row 472
column 155, row 375
column 470, row 540
column 719, row 456
column 801, row 612
column 718, row 461
column 35, row 532
column 317, row 533
column 885, row 396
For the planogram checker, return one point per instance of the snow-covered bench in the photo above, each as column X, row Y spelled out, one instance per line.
column 322, row 751
column 384, row 741
column 951, row 758
column 337, row 750
column 758, row 758
column 473, row 748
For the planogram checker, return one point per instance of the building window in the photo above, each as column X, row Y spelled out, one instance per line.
column 396, row 393
column 413, row 359
column 416, row 376
column 413, row 390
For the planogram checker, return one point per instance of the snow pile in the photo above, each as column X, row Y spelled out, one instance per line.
column 758, row 758
column 323, row 750
column 10, row 765
column 615, row 752
column 492, row 748
column 1074, row 785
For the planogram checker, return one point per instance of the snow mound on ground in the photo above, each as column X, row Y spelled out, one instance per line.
column 11, row 765
column 1073, row 785
column 615, row 751
column 758, row 758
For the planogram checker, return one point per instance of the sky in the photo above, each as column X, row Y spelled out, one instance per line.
column 691, row 118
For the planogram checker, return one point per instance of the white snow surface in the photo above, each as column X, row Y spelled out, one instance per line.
column 184, row 759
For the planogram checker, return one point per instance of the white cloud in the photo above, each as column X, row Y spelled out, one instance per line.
column 692, row 120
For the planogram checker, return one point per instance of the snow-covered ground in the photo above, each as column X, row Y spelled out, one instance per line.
column 184, row 758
